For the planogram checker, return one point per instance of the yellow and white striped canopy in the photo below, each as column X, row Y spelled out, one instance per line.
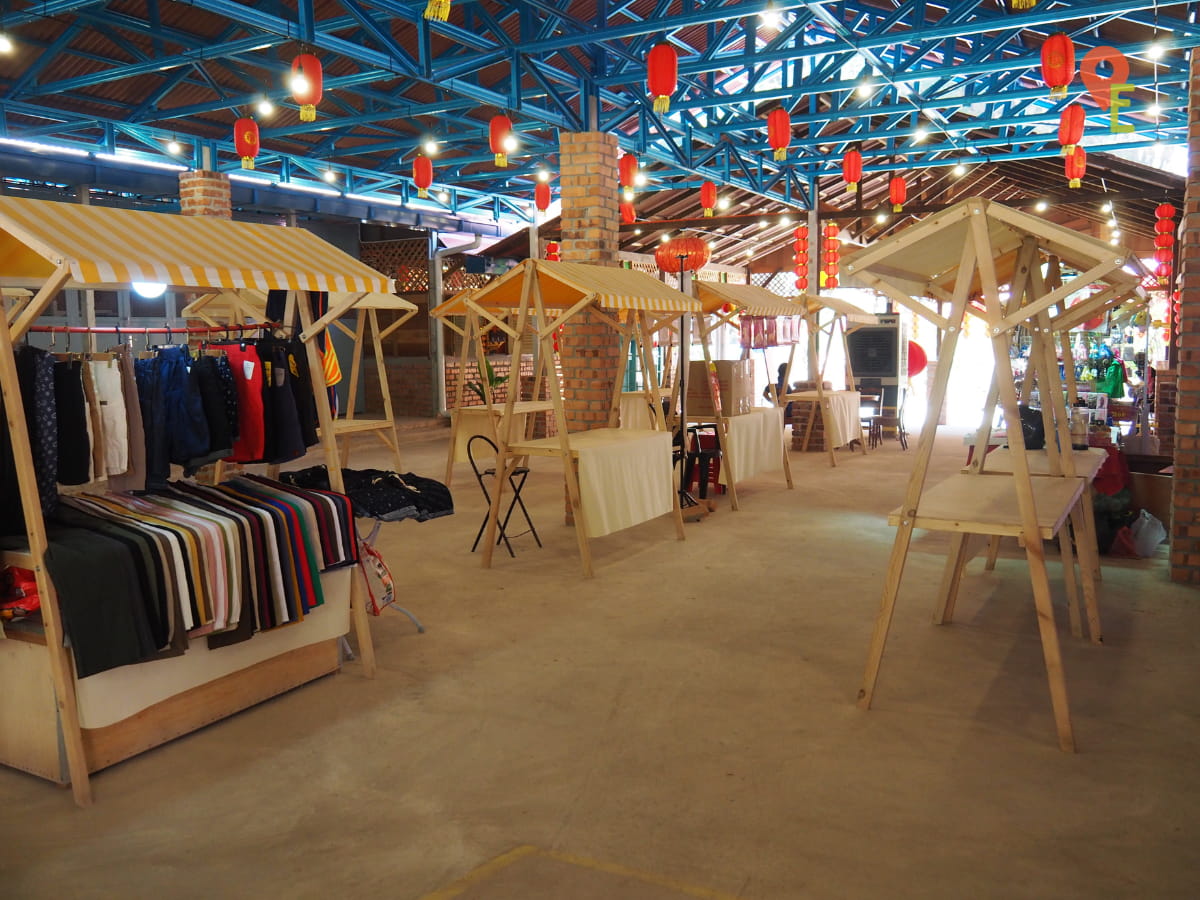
column 120, row 246
column 563, row 284
column 748, row 298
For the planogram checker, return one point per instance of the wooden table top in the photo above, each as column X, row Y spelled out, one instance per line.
column 597, row 437
column 1087, row 462
column 979, row 504
column 519, row 407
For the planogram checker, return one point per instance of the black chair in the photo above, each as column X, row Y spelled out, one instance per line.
column 702, row 453
column 516, row 481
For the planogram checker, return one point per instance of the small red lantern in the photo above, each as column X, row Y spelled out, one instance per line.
column 1164, row 272
column 1076, row 167
column 628, row 169
column 552, row 251
column 1164, row 255
column 1070, row 127
column 662, row 75
column 897, row 192
column 1164, row 211
column 1164, row 240
column 628, row 213
column 499, row 134
column 801, row 233
column 541, row 196
column 306, row 84
column 779, row 132
column 802, row 283
column 422, row 174
column 1058, row 63
column 708, row 197
column 694, row 251
column 852, row 169
column 801, row 259
column 1164, row 226
column 831, row 282
column 245, row 141
column 917, row 359
column 831, row 231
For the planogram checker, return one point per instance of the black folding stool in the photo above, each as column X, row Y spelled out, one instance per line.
column 516, row 481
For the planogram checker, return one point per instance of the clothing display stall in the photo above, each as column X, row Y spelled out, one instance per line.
column 615, row 477
column 964, row 255
column 67, row 712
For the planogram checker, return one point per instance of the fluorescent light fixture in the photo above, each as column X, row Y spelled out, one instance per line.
column 309, row 188
column 150, row 290
column 43, row 148
column 126, row 157
column 385, row 201
column 260, row 47
column 250, row 179
column 265, row 107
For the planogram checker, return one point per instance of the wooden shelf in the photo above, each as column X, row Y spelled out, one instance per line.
column 1087, row 462
column 597, row 437
column 973, row 504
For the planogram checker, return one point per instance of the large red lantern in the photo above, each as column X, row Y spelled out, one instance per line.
column 1076, row 167
column 1164, row 240
column 1058, row 63
column 1164, row 211
column 306, row 84
column 779, row 132
column 897, row 192
column 628, row 213
column 708, row 197
column 852, row 169
column 541, row 196
column 802, row 283
column 499, row 135
column 627, row 168
column 694, row 251
column 422, row 175
column 662, row 75
column 1070, row 127
column 245, row 141
column 552, row 251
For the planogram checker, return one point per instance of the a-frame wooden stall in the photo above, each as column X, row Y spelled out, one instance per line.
column 964, row 256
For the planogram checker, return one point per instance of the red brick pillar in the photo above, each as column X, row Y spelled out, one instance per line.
column 589, row 350
column 205, row 194
column 1185, row 502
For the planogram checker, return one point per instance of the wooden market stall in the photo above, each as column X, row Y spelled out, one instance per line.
column 753, row 441
column 615, row 477
column 53, row 723
column 963, row 256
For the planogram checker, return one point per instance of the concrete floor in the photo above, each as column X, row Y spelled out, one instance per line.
column 682, row 725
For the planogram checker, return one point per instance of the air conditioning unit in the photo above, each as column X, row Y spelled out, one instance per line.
column 879, row 357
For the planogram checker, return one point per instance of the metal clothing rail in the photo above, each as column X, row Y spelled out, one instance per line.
column 115, row 329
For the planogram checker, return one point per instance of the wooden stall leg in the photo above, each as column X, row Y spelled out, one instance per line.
column 1050, row 648
column 956, row 562
column 1086, row 533
column 787, row 461
column 887, row 606
column 993, row 553
column 362, row 623
column 1069, row 583
column 1089, row 564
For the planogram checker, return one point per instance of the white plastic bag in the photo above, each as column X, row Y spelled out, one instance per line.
column 1148, row 533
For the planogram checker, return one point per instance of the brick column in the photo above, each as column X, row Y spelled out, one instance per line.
column 589, row 350
column 1164, row 410
column 1185, row 501
column 205, row 194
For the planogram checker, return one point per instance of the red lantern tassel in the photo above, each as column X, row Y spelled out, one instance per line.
column 437, row 10
column 308, row 113
column 247, row 162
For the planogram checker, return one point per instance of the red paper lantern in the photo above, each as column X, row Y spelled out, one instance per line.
column 1164, row 211
column 802, row 284
column 1163, row 272
column 541, row 196
column 708, row 197
column 694, row 251
column 552, row 251
column 245, row 141
column 628, row 169
column 628, row 213
column 831, row 270
column 422, row 174
column 1164, row 255
column 852, row 169
column 1076, row 167
column 662, row 75
column 779, row 132
column 1164, row 226
column 832, row 244
column 1058, row 63
column 306, row 84
column 1070, row 127
column 801, row 233
column 831, row 256
column 897, row 192
column 917, row 359
column 499, row 131
column 1165, row 239
column 831, row 282
column 801, row 259
column 831, row 230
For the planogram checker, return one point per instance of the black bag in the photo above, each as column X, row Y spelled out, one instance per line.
column 1033, row 430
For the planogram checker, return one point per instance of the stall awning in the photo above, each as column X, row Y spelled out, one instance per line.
column 814, row 302
column 564, row 284
column 120, row 246
column 748, row 298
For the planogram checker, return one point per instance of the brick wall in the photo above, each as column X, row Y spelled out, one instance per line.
column 410, row 381
column 1185, row 525
column 205, row 194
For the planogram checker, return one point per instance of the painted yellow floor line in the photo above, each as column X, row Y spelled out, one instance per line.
column 483, row 872
column 647, row 877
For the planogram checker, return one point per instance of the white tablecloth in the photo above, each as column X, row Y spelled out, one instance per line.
column 623, row 480
column 635, row 412
column 841, row 414
column 755, row 443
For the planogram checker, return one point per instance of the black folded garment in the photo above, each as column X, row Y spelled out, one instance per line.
column 380, row 494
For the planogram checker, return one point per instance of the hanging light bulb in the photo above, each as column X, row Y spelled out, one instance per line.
column 265, row 107
column 920, row 134
column 543, row 175
column 329, row 175
column 173, row 147
column 430, row 147
column 865, row 88
column 769, row 17
column 1155, row 51
column 443, row 196
column 1041, row 206
column 6, row 44
column 959, row 171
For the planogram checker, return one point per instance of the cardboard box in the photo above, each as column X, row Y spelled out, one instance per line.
column 736, row 378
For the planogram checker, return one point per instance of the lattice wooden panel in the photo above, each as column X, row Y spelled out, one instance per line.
column 406, row 261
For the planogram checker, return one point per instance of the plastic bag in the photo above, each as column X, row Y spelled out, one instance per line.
column 1148, row 533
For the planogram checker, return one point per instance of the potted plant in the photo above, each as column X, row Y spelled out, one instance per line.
column 493, row 381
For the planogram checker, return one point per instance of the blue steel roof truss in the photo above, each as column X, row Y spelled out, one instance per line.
column 955, row 80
